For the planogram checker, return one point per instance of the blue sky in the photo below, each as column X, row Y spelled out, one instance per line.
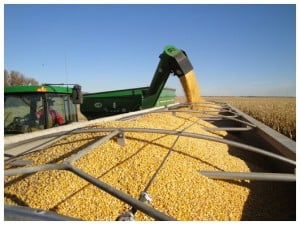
column 235, row 49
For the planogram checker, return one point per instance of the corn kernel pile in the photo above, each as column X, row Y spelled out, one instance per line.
column 178, row 190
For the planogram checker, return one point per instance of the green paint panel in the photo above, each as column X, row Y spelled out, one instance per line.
column 103, row 104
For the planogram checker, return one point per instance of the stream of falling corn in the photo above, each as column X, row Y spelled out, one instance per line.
column 178, row 190
column 191, row 89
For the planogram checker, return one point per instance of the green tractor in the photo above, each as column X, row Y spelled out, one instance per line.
column 31, row 108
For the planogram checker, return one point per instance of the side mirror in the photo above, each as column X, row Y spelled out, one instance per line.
column 77, row 94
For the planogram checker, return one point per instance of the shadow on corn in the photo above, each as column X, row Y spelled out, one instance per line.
column 15, row 199
column 267, row 200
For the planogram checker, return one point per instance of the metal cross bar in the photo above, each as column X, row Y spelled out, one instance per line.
column 34, row 169
column 103, row 186
column 199, row 136
column 227, row 128
column 93, row 145
column 285, row 177
column 157, row 215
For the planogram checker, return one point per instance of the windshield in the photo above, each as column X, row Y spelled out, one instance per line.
column 29, row 112
column 19, row 112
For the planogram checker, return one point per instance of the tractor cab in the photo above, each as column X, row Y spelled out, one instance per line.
column 31, row 108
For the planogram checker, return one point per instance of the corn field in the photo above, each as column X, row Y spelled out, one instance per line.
column 279, row 113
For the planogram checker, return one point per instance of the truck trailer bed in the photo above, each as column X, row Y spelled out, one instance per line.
column 167, row 163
